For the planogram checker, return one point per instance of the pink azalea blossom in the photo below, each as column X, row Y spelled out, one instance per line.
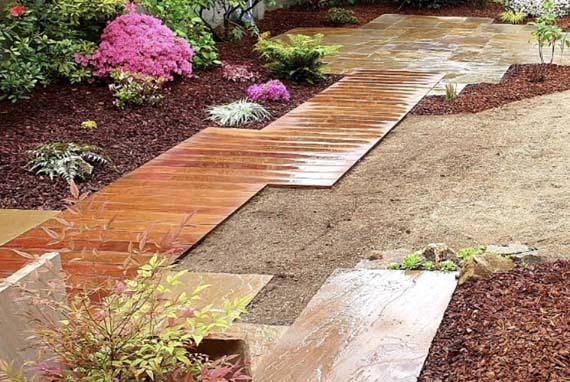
column 140, row 44
column 274, row 91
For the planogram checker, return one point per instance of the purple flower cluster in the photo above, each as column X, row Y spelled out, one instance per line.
column 237, row 73
column 141, row 44
column 270, row 91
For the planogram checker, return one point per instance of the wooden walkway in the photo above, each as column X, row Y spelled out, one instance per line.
column 206, row 178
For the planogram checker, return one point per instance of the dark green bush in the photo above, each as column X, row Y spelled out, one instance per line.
column 341, row 16
column 299, row 59
column 40, row 38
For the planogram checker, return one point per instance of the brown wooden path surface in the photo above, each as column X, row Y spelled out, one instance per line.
column 213, row 173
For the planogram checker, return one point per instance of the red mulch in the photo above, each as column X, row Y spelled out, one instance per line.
column 131, row 137
column 511, row 327
column 520, row 82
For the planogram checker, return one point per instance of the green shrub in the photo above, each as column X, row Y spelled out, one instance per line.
column 71, row 161
column 512, row 17
column 141, row 331
column 549, row 35
column 341, row 16
column 88, row 12
column 40, row 44
column 300, row 59
column 180, row 16
column 132, row 89
column 238, row 113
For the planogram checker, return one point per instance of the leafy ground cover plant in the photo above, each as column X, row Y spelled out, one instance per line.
column 298, row 59
column 237, row 73
column 418, row 262
column 142, row 44
column 274, row 91
column 238, row 113
column 341, row 16
column 547, row 34
column 133, row 89
column 71, row 161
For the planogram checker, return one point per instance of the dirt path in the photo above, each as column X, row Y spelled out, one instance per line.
column 495, row 177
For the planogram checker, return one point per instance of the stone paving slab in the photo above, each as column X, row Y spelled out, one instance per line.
column 362, row 326
column 222, row 286
column 16, row 222
column 468, row 49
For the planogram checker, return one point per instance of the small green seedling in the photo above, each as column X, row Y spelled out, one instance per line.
column 467, row 253
column 450, row 92
column 412, row 262
column 447, row 266
column 428, row 266
column 89, row 125
column 393, row 266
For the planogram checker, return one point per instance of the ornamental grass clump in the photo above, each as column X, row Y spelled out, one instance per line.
column 141, row 44
column 274, row 91
column 238, row 113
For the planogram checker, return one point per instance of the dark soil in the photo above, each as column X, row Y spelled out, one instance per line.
column 511, row 327
column 130, row 137
column 520, row 82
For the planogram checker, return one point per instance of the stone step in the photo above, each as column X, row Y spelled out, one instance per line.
column 362, row 326
column 222, row 286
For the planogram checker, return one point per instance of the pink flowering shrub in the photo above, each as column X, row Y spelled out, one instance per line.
column 237, row 73
column 270, row 91
column 140, row 44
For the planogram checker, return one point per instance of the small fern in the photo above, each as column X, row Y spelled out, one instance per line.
column 70, row 161
column 512, row 17
column 298, row 59
column 238, row 113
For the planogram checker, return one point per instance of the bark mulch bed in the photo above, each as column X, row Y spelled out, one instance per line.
column 131, row 137
column 511, row 327
column 520, row 82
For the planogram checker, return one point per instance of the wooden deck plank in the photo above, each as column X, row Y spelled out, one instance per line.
column 205, row 179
